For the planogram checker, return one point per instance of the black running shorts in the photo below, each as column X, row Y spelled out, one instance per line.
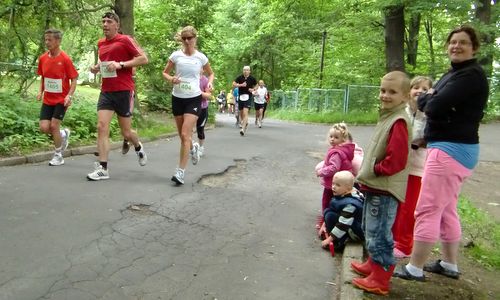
column 52, row 111
column 182, row 106
column 121, row 102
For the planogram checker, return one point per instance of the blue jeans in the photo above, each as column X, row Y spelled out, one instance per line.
column 379, row 213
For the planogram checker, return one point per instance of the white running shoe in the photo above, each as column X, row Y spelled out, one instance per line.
column 57, row 160
column 65, row 141
column 201, row 150
column 178, row 176
column 98, row 174
column 195, row 156
column 141, row 154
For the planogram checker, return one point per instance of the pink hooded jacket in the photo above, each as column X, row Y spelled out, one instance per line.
column 338, row 158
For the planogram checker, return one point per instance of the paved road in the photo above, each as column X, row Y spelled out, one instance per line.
column 246, row 236
column 240, row 228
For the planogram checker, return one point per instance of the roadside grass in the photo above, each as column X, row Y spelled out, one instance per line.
column 352, row 118
column 481, row 234
column 154, row 124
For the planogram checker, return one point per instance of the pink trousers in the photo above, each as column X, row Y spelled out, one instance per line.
column 436, row 214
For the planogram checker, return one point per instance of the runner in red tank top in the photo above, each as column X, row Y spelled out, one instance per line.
column 118, row 55
column 57, row 86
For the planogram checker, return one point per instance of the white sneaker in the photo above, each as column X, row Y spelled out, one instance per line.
column 201, row 150
column 98, row 174
column 57, row 160
column 141, row 154
column 178, row 176
column 65, row 141
column 195, row 155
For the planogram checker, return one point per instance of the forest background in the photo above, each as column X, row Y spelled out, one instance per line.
column 290, row 44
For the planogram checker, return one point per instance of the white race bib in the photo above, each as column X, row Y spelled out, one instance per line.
column 186, row 86
column 244, row 97
column 104, row 70
column 52, row 85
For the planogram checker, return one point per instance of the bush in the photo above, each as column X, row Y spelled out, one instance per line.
column 158, row 101
column 19, row 125
column 19, row 129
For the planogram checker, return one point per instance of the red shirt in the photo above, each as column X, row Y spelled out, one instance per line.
column 56, row 72
column 120, row 48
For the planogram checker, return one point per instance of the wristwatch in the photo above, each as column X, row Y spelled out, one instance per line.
column 122, row 64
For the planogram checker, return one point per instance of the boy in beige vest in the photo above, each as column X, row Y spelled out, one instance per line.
column 382, row 180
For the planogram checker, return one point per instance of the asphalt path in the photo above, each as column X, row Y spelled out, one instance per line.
column 242, row 227
column 246, row 233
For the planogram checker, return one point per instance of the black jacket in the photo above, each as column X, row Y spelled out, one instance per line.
column 456, row 108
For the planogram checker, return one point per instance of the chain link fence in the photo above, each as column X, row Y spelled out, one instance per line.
column 354, row 98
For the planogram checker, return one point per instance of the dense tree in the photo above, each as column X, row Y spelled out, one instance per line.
column 394, row 37
column 483, row 17
column 280, row 40
column 125, row 10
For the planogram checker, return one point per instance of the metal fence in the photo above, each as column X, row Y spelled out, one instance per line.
column 354, row 98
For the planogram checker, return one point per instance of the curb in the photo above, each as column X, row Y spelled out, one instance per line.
column 346, row 291
column 81, row 150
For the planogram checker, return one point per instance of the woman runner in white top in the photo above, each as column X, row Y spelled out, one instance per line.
column 186, row 94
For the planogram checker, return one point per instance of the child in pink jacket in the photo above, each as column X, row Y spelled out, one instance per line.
column 338, row 158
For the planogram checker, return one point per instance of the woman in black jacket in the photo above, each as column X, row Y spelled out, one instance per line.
column 454, row 109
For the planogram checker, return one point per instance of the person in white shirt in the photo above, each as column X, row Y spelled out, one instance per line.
column 259, row 102
column 186, row 94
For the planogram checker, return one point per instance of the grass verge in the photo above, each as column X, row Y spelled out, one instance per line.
column 322, row 117
column 481, row 234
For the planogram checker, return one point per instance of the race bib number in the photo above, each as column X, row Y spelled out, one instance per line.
column 244, row 97
column 53, row 85
column 104, row 70
column 186, row 86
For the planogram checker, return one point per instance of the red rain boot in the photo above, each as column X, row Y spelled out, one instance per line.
column 332, row 248
column 361, row 268
column 378, row 282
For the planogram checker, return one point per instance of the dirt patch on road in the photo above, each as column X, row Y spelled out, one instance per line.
column 225, row 177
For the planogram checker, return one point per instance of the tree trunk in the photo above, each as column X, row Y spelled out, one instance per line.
column 428, row 31
column 412, row 42
column 125, row 10
column 483, row 15
column 394, row 38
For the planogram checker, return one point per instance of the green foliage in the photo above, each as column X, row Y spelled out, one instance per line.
column 19, row 129
column 482, row 234
column 158, row 101
column 280, row 40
